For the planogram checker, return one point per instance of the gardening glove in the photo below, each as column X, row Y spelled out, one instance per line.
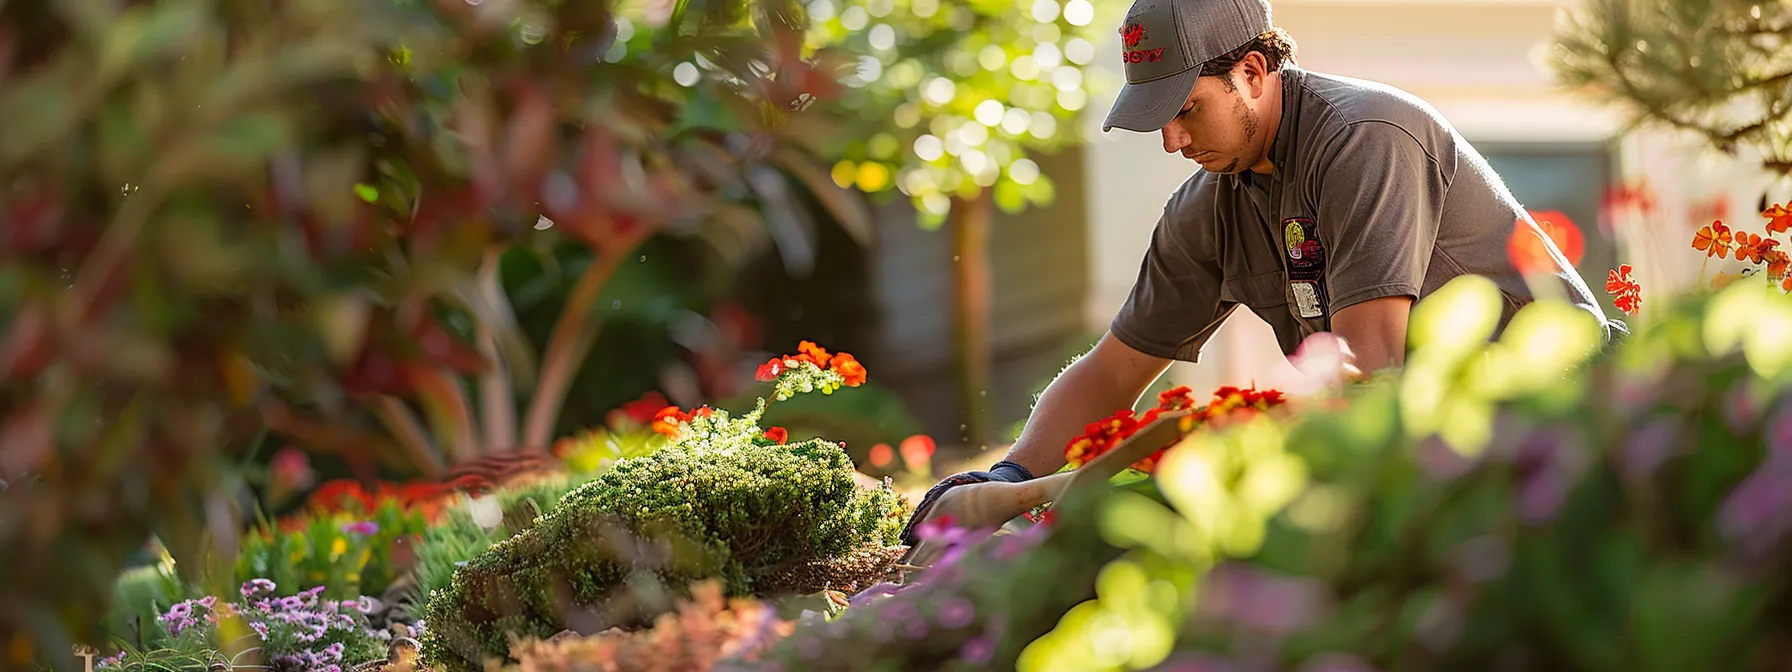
column 1001, row 471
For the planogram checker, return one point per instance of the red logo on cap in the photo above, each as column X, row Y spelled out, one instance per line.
column 1132, row 34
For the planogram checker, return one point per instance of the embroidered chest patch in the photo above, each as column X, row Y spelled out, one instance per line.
column 1306, row 266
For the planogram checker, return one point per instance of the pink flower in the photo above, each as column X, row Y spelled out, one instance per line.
column 365, row 528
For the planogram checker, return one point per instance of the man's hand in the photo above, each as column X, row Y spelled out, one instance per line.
column 1375, row 331
column 1110, row 377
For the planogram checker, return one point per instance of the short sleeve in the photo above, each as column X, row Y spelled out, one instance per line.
column 1381, row 199
column 1175, row 303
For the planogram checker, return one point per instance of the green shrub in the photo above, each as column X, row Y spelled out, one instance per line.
column 459, row 537
column 140, row 596
column 726, row 499
column 767, row 519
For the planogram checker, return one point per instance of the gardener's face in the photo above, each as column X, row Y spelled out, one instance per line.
column 1221, row 123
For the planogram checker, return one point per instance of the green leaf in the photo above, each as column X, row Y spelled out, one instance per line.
column 146, row 31
column 252, row 137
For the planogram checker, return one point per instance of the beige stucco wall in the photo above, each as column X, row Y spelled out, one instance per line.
column 1478, row 62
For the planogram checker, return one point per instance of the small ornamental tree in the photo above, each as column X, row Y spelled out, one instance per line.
column 948, row 104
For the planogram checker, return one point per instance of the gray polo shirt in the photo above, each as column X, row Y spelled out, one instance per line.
column 1373, row 195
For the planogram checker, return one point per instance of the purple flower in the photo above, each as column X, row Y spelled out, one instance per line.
column 1754, row 511
column 180, row 610
column 1263, row 602
column 1779, row 433
column 334, row 651
column 977, row 650
column 915, row 626
column 1441, row 462
column 1335, row 663
column 956, row 613
column 291, row 602
column 876, row 592
column 208, row 601
column 257, row 586
column 1650, row 446
column 260, row 628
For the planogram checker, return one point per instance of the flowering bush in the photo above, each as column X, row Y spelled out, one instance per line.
column 1759, row 253
column 294, row 633
column 348, row 552
column 1228, row 404
column 726, row 499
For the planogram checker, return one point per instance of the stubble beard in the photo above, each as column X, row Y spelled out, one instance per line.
column 1248, row 120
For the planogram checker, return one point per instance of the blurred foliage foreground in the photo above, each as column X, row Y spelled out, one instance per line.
column 1536, row 503
column 235, row 223
column 1532, row 503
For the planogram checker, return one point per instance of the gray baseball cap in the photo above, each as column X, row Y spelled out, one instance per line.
column 1164, row 43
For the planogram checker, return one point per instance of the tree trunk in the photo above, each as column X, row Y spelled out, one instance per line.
column 971, row 314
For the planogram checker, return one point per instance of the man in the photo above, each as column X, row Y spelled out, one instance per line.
column 1323, row 204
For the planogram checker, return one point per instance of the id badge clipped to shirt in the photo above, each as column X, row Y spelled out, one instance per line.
column 1306, row 266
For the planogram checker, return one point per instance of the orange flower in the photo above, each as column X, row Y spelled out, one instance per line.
column 1779, row 217
column 777, row 435
column 1713, row 240
column 1750, row 247
column 1786, row 284
column 849, row 369
column 1626, row 293
column 668, row 419
column 810, row 352
column 1101, row 436
column 1777, row 261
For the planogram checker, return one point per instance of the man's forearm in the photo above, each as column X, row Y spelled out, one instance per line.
column 1082, row 394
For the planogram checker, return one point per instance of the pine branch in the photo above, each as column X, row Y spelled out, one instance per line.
column 1682, row 64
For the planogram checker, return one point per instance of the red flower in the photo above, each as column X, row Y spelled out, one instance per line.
column 881, row 454
column 645, row 409
column 1713, row 240
column 849, row 369
column 1626, row 293
column 777, row 435
column 1101, row 436
column 1750, row 247
column 917, row 451
column 668, row 419
column 1628, row 196
column 1777, row 261
column 1779, row 217
column 770, row 370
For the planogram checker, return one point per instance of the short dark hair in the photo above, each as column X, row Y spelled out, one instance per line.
column 1275, row 45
